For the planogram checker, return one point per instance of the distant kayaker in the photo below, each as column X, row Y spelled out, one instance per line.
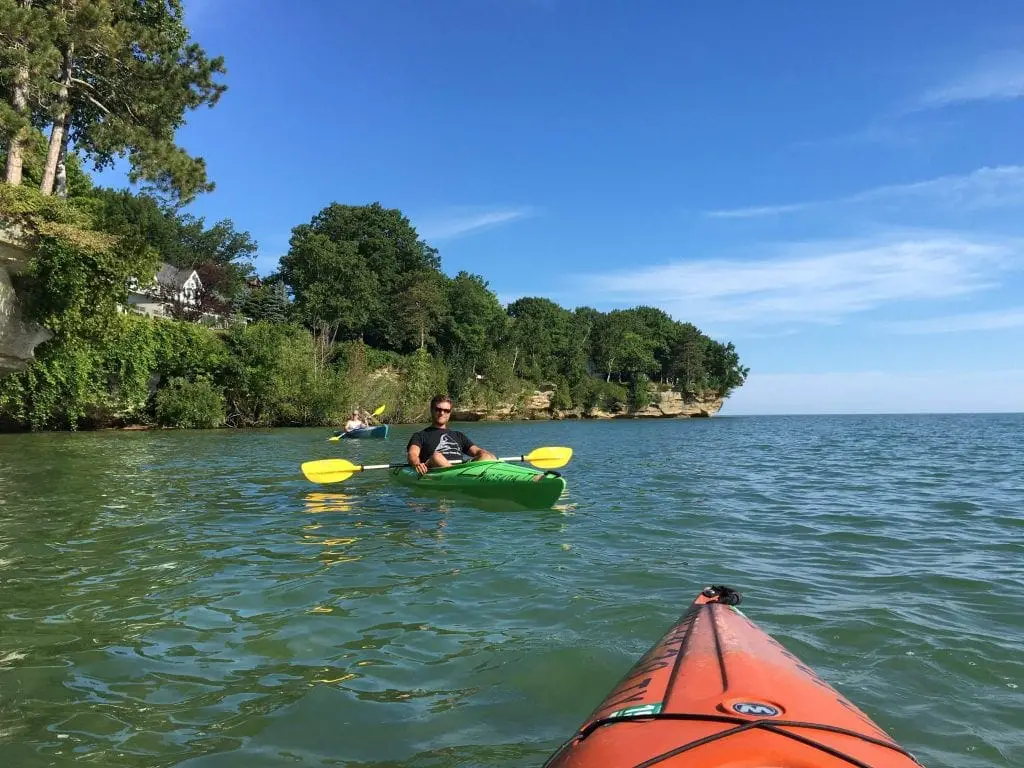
column 438, row 446
column 354, row 422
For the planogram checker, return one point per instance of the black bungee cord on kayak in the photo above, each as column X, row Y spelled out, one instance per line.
column 729, row 596
column 775, row 726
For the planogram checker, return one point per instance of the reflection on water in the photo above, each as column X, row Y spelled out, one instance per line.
column 333, row 549
column 319, row 501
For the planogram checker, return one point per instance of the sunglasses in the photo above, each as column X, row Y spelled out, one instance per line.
column 443, row 410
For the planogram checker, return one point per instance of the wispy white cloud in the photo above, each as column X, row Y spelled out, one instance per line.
column 998, row 187
column 992, row 320
column 462, row 221
column 994, row 78
column 998, row 78
column 932, row 391
column 759, row 211
column 818, row 282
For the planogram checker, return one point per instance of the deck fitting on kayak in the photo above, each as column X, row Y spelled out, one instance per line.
column 726, row 595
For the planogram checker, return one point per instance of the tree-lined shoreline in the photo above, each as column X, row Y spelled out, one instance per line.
column 359, row 310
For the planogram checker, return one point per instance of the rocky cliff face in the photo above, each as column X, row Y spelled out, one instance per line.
column 673, row 404
column 537, row 406
column 17, row 337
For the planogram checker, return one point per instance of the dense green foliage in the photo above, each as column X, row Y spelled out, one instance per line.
column 302, row 356
column 113, row 78
column 190, row 404
column 359, row 312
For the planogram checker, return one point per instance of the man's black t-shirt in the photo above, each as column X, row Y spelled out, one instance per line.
column 451, row 443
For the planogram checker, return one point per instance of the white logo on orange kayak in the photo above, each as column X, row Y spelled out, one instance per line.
column 641, row 710
column 755, row 708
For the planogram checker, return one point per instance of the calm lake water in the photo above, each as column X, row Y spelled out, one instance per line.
column 188, row 599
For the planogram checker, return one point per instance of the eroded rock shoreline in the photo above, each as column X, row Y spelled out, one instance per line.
column 538, row 407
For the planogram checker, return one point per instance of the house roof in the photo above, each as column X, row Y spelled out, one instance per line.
column 172, row 277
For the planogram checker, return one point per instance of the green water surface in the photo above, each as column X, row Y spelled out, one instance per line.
column 188, row 599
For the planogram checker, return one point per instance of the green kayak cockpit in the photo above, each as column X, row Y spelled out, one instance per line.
column 490, row 481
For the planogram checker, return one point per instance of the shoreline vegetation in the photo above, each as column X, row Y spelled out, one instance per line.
column 358, row 311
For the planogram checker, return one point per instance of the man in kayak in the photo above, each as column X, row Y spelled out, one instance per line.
column 438, row 446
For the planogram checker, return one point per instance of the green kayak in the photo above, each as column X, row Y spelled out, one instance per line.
column 489, row 481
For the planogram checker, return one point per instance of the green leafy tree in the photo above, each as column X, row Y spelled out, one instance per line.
column 477, row 323
column 639, row 392
column 128, row 75
column 636, row 355
column 86, row 379
column 541, row 334
column 137, row 219
column 272, row 379
column 387, row 326
column 578, row 363
column 302, row 394
column 220, row 244
column 383, row 252
column 724, row 370
column 335, row 290
column 687, row 355
column 423, row 305
column 75, row 285
column 250, row 389
column 607, row 345
column 77, row 279
column 659, row 330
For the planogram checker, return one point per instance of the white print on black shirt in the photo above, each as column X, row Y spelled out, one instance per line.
column 449, row 447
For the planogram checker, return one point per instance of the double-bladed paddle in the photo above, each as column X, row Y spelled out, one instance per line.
column 340, row 470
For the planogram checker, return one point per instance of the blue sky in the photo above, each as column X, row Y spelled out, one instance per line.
column 836, row 188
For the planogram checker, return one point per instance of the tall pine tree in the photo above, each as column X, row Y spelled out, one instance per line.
column 27, row 58
column 111, row 78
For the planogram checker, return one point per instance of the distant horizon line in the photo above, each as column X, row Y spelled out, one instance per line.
column 877, row 413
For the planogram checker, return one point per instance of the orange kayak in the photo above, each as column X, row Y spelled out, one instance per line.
column 717, row 692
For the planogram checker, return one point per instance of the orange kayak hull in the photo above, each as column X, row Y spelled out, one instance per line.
column 718, row 692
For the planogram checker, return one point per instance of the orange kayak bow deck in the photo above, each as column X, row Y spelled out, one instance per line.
column 718, row 692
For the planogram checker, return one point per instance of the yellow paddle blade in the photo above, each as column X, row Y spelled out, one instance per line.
column 380, row 410
column 551, row 457
column 329, row 470
column 334, row 438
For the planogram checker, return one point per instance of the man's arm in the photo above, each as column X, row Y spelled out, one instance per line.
column 479, row 454
column 440, row 460
column 413, row 455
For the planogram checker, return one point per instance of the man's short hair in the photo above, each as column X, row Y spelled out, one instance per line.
column 436, row 400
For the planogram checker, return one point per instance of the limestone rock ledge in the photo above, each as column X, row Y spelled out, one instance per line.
column 674, row 405
column 18, row 338
column 537, row 406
